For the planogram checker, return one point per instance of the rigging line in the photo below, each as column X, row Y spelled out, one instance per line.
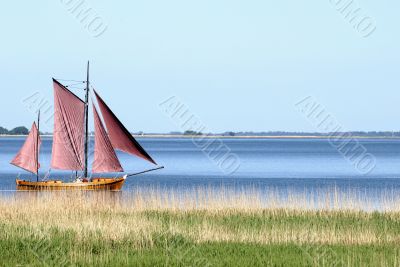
column 47, row 175
column 150, row 170
column 92, row 97
column 70, row 80
column 72, row 84
column 75, row 87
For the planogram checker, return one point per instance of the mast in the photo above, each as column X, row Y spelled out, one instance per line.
column 87, row 122
column 37, row 147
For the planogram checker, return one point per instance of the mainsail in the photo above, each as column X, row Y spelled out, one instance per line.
column 105, row 158
column 120, row 137
column 27, row 157
column 68, row 137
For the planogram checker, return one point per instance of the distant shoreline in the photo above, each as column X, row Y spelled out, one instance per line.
column 240, row 136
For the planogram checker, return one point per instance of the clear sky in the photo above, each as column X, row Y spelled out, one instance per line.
column 238, row 65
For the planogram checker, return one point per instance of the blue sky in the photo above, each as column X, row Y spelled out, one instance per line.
column 237, row 65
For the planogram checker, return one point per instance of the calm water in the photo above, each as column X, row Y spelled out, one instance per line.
column 298, row 164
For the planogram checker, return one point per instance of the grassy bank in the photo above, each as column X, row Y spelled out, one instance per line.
column 153, row 229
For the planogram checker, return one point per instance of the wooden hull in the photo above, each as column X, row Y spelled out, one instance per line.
column 95, row 184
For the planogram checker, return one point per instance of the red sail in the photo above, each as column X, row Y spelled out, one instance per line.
column 27, row 157
column 105, row 159
column 120, row 137
column 68, row 136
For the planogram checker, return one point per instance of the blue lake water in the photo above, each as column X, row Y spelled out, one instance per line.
column 298, row 164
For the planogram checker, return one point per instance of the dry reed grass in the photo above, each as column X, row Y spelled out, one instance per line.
column 203, row 215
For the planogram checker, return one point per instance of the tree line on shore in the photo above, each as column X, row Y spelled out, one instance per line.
column 283, row 133
column 20, row 130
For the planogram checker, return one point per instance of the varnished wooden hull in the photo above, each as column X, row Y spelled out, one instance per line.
column 95, row 184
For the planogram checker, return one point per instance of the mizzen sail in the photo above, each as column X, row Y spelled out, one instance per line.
column 27, row 157
column 105, row 158
column 120, row 137
column 68, row 137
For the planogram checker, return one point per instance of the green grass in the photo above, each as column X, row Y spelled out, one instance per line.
column 174, row 250
column 205, row 238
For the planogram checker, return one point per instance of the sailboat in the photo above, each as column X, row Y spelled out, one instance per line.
column 70, row 147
